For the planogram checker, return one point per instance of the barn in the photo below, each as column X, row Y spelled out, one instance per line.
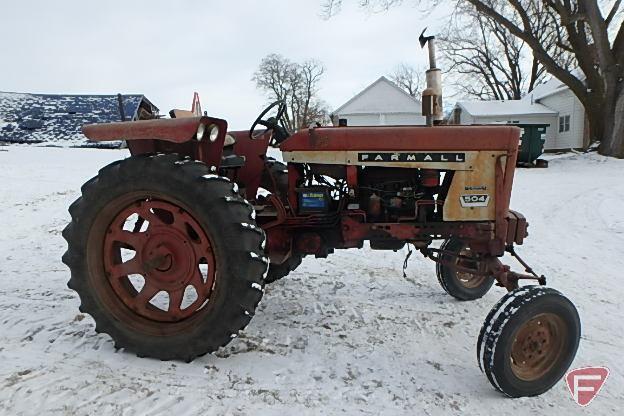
column 382, row 103
column 52, row 119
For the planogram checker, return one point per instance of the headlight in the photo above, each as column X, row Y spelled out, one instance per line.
column 214, row 133
column 200, row 131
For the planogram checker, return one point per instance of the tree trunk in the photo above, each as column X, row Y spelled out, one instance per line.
column 612, row 143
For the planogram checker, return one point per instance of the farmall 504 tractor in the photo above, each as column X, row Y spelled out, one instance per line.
column 170, row 249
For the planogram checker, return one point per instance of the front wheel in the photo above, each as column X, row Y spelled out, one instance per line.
column 528, row 341
column 460, row 284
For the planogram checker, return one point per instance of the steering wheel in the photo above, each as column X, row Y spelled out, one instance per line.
column 271, row 123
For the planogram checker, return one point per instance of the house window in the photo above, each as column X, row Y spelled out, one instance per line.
column 564, row 124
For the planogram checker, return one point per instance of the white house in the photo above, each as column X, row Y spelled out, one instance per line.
column 571, row 127
column 550, row 103
column 382, row 103
column 507, row 112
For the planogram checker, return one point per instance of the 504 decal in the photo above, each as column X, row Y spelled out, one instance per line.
column 475, row 200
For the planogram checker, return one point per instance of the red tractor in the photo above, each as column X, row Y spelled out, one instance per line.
column 170, row 249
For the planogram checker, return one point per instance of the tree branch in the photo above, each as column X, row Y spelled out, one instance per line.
column 553, row 67
column 613, row 12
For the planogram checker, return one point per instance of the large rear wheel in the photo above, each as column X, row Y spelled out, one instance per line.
column 279, row 271
column 165, row 257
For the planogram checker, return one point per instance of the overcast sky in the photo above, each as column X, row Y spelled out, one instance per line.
column 168, row 49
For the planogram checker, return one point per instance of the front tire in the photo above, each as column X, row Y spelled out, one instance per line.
column 460, row 284
column 152, row 233
column 528, row 341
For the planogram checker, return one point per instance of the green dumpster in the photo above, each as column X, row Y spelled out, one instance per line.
column 532, row 143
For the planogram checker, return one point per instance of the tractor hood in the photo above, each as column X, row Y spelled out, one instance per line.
column 407, row 138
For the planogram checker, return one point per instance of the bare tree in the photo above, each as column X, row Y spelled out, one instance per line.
column 409, row 78
column 485, row 61
column 297, row 84
column 590, row 30
column 331, row 7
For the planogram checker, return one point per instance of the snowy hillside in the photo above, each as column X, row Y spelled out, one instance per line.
column 56, row 120
column 344, row 335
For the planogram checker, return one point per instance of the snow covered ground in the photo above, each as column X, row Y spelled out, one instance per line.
column 345, row 335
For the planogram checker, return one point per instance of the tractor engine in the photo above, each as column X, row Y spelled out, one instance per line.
column 393, row 194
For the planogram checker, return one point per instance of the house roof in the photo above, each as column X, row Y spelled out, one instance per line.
column 504, row 108
column 396, row 101
column 57, row 119
column 552, row 86
column 546, row 89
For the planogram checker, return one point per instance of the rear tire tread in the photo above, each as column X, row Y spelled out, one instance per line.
column 234, row 240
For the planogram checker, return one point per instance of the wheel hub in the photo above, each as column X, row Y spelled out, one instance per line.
column 168, row 258
column 468, row 280
column 168, row 255
column 537, row 346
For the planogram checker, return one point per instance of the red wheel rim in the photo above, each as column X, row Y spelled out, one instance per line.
column 159, row 261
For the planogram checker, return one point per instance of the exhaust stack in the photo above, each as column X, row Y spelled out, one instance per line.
column 432, row 95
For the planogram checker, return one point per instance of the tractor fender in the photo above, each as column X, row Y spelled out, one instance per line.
column 176, row 130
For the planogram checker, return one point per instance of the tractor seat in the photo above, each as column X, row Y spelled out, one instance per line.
column 229, row 158
column 232, row 161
